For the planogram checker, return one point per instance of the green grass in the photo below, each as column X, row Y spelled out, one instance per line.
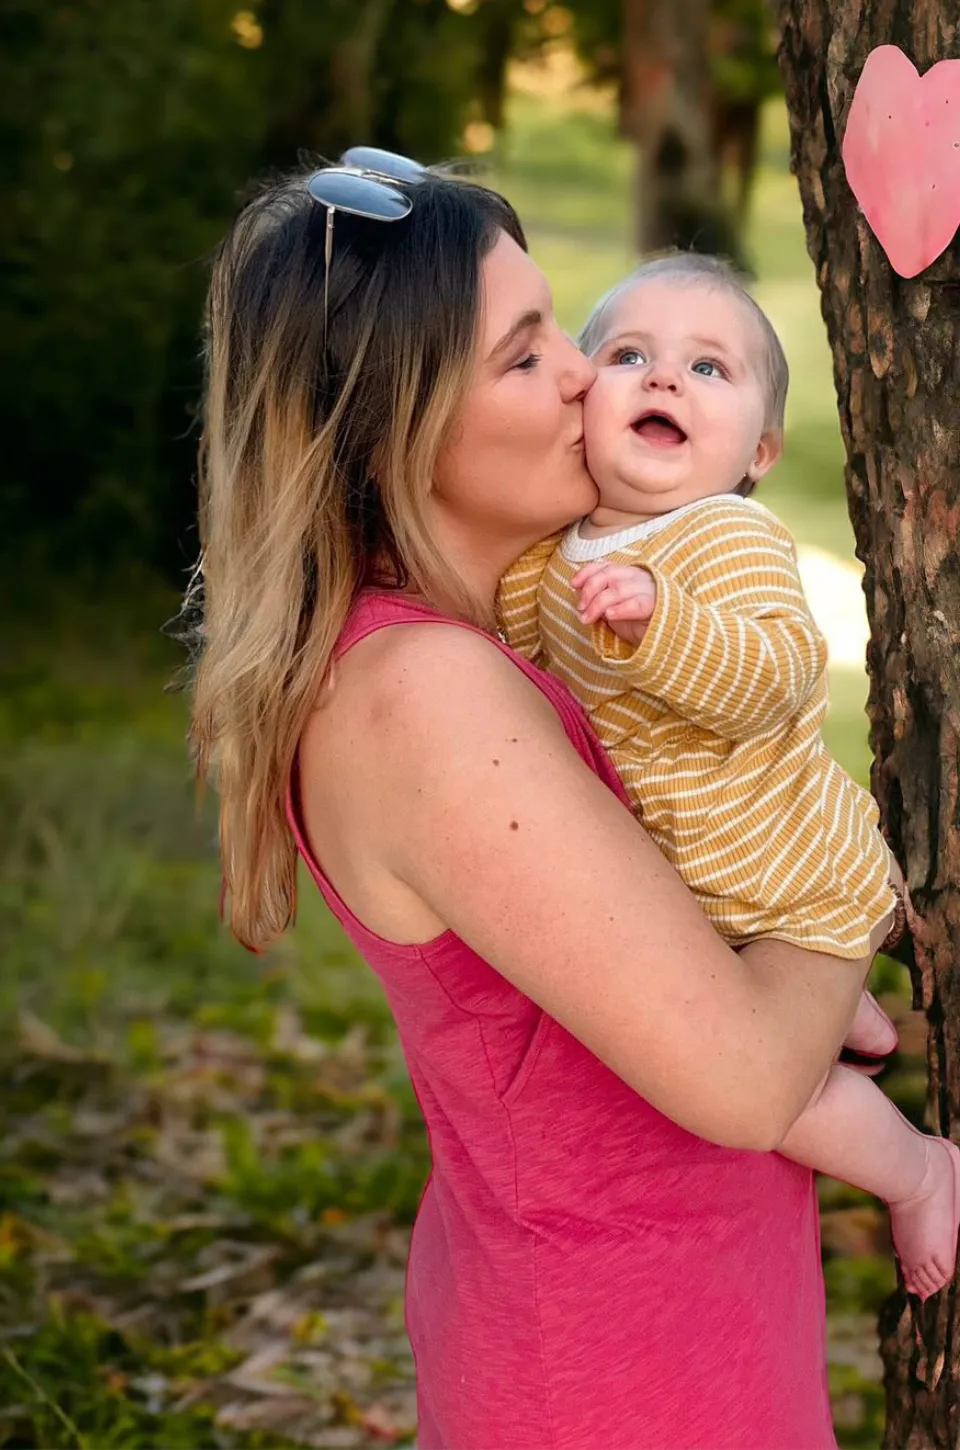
column 208, row 1160
column 186, row 1131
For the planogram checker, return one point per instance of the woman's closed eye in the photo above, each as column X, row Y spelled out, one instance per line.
column 528, row 363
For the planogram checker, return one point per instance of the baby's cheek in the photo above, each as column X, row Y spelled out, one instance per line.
column 596, row 418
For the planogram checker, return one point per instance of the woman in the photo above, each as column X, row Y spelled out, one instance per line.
column 607, row 1253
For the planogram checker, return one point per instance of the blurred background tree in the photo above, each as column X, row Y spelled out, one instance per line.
column 126, row 129
column 692, row 77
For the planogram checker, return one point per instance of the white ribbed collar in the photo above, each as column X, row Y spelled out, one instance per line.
column 578, row 550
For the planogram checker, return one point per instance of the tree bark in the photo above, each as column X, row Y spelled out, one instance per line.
column 664, row 108
column 895, row 357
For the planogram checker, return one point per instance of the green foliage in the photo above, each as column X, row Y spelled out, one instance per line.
column 858, row 1407
column 860, row 1284
column 597, row 31
column 125, row 134
column 425, row 78
column 743, row 58
column 126, row 128
column 102, row 1399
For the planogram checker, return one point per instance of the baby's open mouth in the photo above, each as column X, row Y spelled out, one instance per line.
column 660, row 430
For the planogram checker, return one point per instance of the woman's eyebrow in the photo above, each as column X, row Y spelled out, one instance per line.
column 532, row 318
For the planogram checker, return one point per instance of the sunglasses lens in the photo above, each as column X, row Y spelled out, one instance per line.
column 387, row 163
column 360, row 195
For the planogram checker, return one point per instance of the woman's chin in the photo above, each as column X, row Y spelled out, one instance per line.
column 589, row 498
column 583, row 511
column 570, row 509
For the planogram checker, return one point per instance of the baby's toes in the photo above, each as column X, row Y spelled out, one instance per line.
column 932, row 1281
column 917, row 1284
column 940, row 1271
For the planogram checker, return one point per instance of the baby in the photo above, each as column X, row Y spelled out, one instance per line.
column 676, row 614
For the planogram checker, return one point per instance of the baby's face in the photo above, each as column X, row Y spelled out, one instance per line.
column 677, row 411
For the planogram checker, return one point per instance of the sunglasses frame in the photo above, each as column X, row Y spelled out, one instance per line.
column 389, row 183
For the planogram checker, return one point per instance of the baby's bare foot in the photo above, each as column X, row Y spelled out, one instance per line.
column 871, row 1031
column 925, row 1224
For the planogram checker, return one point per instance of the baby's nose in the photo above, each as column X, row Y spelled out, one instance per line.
column 663, row 378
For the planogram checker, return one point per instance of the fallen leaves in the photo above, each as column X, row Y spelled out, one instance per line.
column 216, row 1228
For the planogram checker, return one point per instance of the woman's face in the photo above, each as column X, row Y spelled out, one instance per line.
column 513, row 468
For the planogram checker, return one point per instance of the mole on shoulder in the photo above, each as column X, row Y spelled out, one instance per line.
column 514, row 825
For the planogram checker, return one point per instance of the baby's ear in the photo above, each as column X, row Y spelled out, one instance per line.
column 768, row 451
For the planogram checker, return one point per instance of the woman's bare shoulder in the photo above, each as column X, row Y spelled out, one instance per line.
column 421, row 644
column 416, row 703
column 405, row 677
column 412, row 720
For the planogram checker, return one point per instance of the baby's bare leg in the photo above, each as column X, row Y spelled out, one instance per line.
column 851, row 1131
column 872, row 1031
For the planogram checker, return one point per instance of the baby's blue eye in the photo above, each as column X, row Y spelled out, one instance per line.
column 715, row 369
column 630, row 357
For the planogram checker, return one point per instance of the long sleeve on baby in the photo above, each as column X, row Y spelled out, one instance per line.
column 517, row 598
column 731, row 646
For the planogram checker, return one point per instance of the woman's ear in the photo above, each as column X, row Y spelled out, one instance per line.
column 767, row 452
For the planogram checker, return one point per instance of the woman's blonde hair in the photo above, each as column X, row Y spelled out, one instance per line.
column 316, row 466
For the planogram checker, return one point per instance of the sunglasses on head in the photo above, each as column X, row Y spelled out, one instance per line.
column 363, row 184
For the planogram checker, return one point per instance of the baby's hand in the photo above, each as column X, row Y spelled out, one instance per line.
column 622, row 595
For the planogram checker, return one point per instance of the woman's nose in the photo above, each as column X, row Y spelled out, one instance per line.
column 578, row 375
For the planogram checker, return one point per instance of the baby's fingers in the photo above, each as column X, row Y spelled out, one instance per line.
column 614, row 598
column 592, row 587
column 588, row 571
column 599, row 574
column 634, row 606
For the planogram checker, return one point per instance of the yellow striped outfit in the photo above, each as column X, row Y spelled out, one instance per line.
column 713, row 721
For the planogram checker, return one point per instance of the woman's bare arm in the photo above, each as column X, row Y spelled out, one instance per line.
column 485, row 811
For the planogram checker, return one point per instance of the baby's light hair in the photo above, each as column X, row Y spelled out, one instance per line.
column 698, row 270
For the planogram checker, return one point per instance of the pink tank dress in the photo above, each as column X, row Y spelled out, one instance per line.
column 583, row 1273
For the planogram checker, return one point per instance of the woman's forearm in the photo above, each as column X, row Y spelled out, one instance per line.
column 805, row 1003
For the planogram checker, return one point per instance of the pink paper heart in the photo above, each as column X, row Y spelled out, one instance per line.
column 901, row 151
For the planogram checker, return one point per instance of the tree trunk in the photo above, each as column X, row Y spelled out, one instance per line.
column 498, row 21
column 895, row 361
column 664, row 107
column 323, row 77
